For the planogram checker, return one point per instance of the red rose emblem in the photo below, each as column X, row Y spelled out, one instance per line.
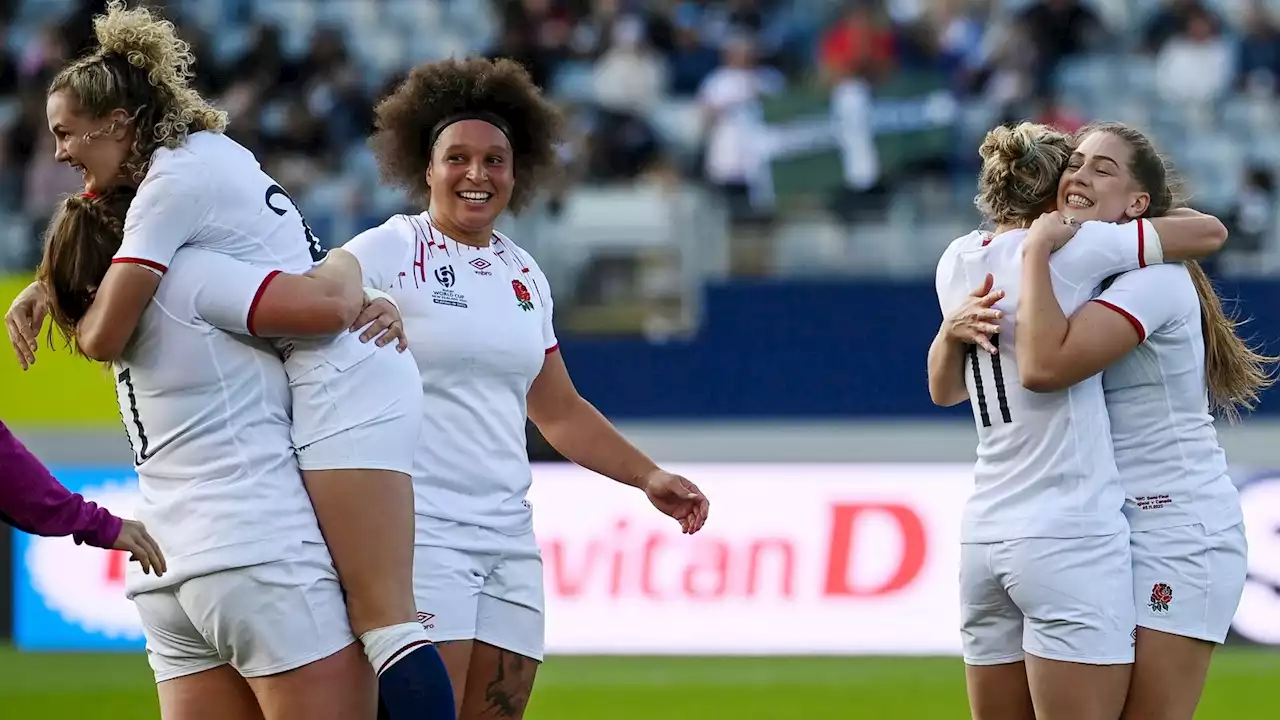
column 1161, row 593
column 522, row 295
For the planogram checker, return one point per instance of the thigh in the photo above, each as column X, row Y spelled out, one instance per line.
column 1187, row 581
column 510, row 609
column 175, row 646
column 340, row 686
column 1168, row 676
column 999, row 692
column 499, row 684
column 215, row 694
column 1075, row 595
column 990, row 623
column 271, row 618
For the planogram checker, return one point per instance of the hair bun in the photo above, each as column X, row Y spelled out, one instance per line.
column 1009, row 146
column 145, row 39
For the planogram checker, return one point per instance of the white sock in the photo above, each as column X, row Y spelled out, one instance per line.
column 385, row 645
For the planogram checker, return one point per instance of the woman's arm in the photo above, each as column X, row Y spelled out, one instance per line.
column 325, row 301
column 946, row 370
column 167, row 212
column 973, row 323
column 1185, row 234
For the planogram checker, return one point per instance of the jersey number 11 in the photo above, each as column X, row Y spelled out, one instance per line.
column 997, row 374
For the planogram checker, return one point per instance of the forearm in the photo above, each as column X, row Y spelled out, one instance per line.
column 946, row 371
column 1042, row 325
column 1186, row 234
column 33, row 501
column 586, row 437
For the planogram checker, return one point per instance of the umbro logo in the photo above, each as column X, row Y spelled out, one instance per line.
column 424, row 619
column 481, row 265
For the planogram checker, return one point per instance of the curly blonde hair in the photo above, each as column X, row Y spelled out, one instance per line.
column 144, row 68
column 1021, row 166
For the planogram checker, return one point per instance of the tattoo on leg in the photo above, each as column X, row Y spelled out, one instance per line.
column 505, row 693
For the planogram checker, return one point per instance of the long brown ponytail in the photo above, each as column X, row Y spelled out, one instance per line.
column 1235, row 373
column 81, row 239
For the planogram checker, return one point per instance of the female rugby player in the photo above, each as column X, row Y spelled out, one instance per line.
column 1172, row 357
column 469, row 140
column 126, row 115
column 1045, row 569
column 249, row 621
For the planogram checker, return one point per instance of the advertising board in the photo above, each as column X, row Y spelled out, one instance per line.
column 796, row 559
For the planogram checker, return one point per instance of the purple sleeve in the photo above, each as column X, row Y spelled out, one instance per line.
column 32, row 500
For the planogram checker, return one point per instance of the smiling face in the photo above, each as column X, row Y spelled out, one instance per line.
column 82, row 143
column 1098, row 183
column 471, row 175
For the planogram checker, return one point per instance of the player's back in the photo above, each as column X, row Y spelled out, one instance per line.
column 1044, row 466
column 1171, row 465
column 207, row 415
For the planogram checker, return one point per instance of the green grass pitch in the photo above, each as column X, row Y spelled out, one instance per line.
column 119, row 687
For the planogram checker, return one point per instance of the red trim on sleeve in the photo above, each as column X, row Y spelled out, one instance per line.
column 553, row 348
column 1137, row 324
column 1142, row 248
column 139, row 261
column 257, row 298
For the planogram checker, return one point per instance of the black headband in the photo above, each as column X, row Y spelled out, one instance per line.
column 488, row 117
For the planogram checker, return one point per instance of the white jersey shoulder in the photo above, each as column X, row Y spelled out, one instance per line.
column 211, row 193
column 1171, row 464
column 1044, row 466
column 207, row 415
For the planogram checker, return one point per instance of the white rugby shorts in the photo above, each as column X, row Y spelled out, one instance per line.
column 261, row 619
column 1059, row 599
column 475, row 583
column 1188, row 581
column 366, row 416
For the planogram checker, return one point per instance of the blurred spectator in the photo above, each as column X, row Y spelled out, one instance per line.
column 43, row 57
column 1050, row 111
column 264, row 64
column 1253, row 219
column 860, row 44
column 591, row 34
column 630, row 76
column 1195, row 66
column 1060, row 29
column 692, row 59
column 729, row 101
column 1006, row 75
column 1170, row 20
column 334, row 89
column 1258, row 60
column 539, row 32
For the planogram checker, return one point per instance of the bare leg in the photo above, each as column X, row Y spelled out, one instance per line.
column 1077, row 691
column 1168, row 676
column 999, row 692
column 339, row 687
column 499, row 684
column 215, row 694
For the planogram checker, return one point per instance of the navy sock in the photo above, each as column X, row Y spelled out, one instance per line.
column 416, row 687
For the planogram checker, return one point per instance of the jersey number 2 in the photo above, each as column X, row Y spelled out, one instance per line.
column 140, row 453
column 997, row 374
column 313, row 243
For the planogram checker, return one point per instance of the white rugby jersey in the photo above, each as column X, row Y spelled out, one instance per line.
column 211, row 193
column 1045, row 465
column 1171, row 466
column 479, row 323
column 207, row 414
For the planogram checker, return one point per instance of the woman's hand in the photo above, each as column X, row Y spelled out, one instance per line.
column 23, row 321
column 974, row 322
column 381, row 319
column 142, row 548
column 1052, row 230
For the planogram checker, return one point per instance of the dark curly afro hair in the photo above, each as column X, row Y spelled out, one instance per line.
column 404, row 119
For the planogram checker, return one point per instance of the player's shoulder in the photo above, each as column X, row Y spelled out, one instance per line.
column 1167, row 282
column 503, row 243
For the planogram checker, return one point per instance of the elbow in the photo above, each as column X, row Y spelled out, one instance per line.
column 1040, row 379
column 946, row 397
column 97, row 346
column 1217, row 236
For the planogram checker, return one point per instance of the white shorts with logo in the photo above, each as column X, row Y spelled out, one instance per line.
column 1059, row 599
column 365, row 416
column 475, row 583
column 1188, row 581
column 261, row 619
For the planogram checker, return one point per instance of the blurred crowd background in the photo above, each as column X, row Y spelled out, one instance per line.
column 711, row 140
